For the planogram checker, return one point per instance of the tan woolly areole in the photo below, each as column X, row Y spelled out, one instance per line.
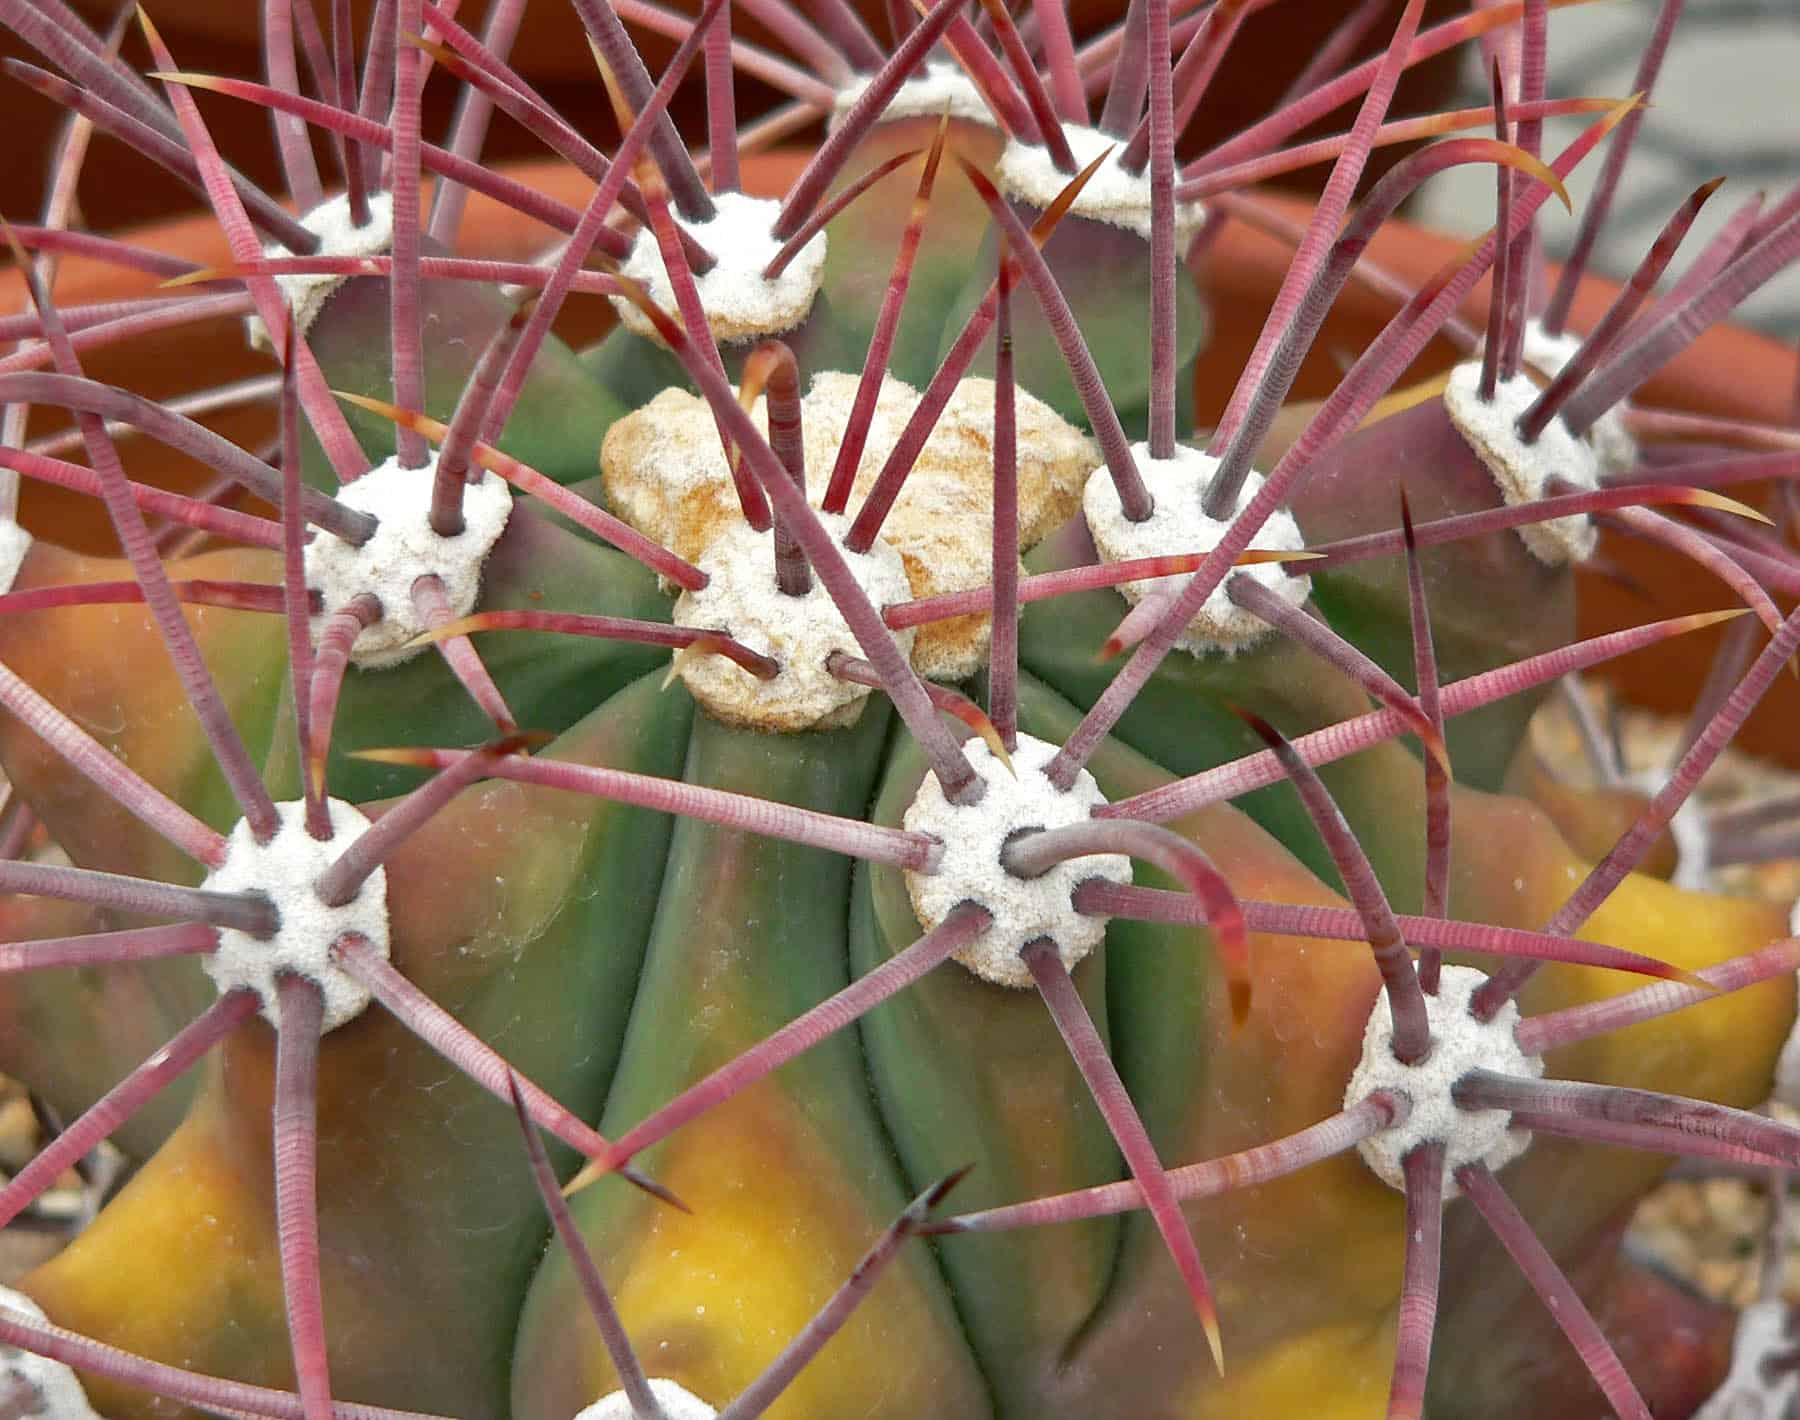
column 666, row 475
column 931, row 90
column 801, row 632
column 15, row 542
column 285, row 869
column 1759, row 1384
column 1459, row 1043
column 403, row 548
column 1787, row 1068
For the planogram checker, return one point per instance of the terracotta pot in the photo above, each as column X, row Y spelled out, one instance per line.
column 1727, row 371
column 223, row 38
column 550, row 46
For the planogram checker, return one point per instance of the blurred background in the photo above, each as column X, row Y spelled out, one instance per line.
column 1727, row 103
column 221, row 36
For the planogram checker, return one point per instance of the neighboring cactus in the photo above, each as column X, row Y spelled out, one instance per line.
column 698, row 931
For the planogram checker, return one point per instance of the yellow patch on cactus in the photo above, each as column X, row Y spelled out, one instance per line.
column 1334, row 1373
column 713, row 1296
column 192, row 1212
column 1703, row 1051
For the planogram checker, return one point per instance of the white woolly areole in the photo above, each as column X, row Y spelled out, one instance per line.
column 740, row 302
column 1112, row 195
column 284, row 870
column 1610, row 440
column 338, row 236
column 15, row 542
column 677, row 1403
column 937, row 89
column 742, row 599
column 1459, row 1044
column 1178, row 524
column 969, row 870
column 1524, row 470
column 403, row 549
column 34, row 1387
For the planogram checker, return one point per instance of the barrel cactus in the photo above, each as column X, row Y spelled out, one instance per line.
column 1003, row 906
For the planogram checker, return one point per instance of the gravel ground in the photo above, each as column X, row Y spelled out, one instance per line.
column 36, row 1236
column 1708, row 1225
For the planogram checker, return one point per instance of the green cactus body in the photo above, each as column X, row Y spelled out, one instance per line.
column 862, row 248
column 560, row 417
column 1183, row 720
column 747, row 934
column 1112, row 315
